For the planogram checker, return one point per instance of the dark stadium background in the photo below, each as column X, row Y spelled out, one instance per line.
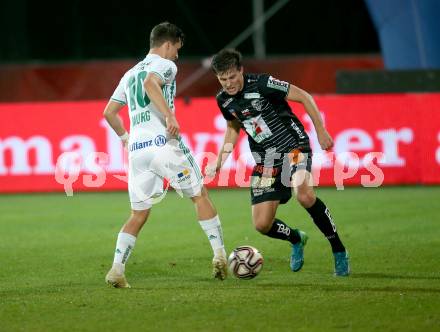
column 84, row 30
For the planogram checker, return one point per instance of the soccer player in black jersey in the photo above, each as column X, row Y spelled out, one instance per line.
column 280, row 146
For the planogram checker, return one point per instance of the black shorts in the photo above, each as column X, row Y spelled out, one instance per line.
column 274, row 184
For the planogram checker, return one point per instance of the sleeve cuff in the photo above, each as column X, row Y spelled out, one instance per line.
column 118, row 101
column 158, row 74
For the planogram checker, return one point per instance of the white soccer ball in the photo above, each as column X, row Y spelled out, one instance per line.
column 245, row 262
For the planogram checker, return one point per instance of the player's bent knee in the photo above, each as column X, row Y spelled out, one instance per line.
column 306, row 198
column 261, row 229
column 262, row 226
column 202, row 194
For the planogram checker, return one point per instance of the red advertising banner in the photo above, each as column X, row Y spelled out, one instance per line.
column 379, row 139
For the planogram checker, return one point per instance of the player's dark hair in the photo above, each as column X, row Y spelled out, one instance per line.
column 225, row 60
column 165, row 32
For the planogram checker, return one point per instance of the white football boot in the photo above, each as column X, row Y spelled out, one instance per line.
column 116, row 279
column 220, row 265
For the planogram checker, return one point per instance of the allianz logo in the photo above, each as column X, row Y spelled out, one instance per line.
column 160, row 140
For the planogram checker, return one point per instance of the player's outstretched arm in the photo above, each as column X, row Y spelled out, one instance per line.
column 231, row 137
column 299, row 95
column 153, row 87
column 114, row 120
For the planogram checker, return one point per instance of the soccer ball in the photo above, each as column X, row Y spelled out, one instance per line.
column 245, row 262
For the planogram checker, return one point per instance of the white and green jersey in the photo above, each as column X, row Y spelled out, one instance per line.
column 146, row 121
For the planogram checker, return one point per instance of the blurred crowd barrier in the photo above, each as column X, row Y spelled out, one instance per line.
column 68, row 146
column 95, row 80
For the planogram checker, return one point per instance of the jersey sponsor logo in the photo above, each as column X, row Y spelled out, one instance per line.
column 184, row 173
column 168, row 73
column 257, row 128
column 262, row 181
column 246, row 112
column 251, row 95
column 227, row 102
column 160, row 140
column 257, row 104
column 261, row 191
column 140, row 145
column 183, row 176
column 277, row 84
column 266, row 171
column 298, row 130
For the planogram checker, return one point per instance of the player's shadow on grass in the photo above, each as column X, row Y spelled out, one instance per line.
column 373, row 275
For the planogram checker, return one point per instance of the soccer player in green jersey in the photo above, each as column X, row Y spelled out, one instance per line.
column 155, row 149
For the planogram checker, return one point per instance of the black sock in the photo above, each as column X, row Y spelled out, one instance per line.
column 322, row 218
column 280, row 230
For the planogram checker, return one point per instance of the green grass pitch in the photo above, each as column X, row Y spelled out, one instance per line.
column 56, row 250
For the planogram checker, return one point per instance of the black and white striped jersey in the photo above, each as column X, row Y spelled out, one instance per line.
column 265, row 115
